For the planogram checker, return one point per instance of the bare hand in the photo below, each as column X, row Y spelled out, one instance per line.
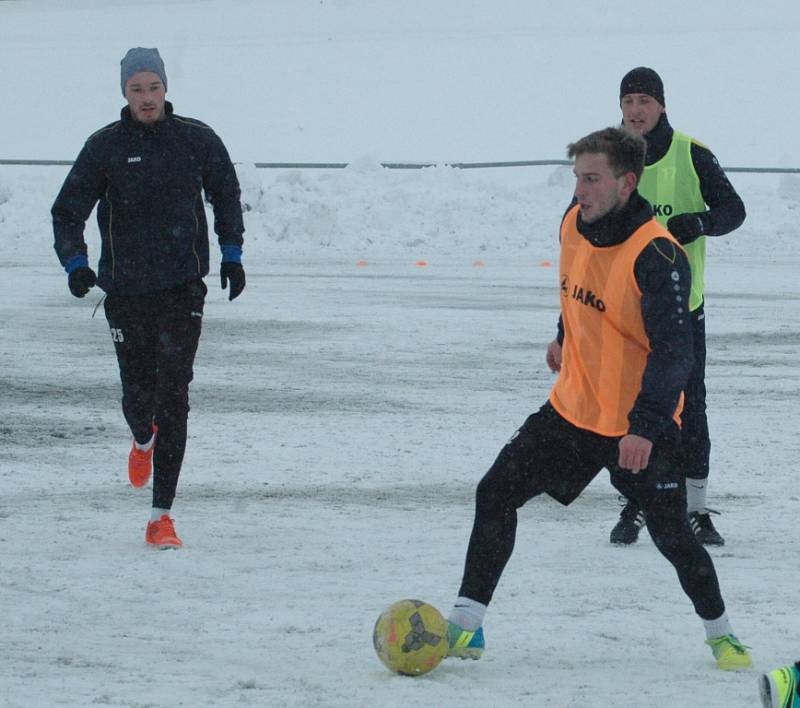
column 634, row 453
column 553, row 358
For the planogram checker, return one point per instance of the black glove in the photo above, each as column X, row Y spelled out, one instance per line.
column 81, row 280
column 233, row 272
column 686, row 227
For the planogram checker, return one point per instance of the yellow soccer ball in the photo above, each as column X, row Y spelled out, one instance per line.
column 410, row 637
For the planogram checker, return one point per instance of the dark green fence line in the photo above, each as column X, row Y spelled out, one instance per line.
column 416, row 165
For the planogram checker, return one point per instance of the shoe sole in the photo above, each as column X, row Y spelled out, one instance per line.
column 717, row 544
column 735, row 666
column 765, row 691
column 140, row 484
column 473, row 654
column 163, row 546
column 623, row 543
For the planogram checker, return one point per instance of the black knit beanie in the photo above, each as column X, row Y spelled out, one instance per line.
column 642, row 80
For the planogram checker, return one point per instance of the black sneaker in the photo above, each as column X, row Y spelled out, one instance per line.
column 704, row 529
column 631, row 520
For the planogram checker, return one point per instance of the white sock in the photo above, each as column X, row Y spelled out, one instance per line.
column 696, row 495
column 157, row 513
column 467, row 613
column 144, row 447
column 718, row 627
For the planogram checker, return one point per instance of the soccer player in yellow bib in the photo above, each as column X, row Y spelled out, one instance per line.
column 693, row 198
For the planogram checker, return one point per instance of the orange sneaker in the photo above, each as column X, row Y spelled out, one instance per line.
column 161, row 533
column 140, row 463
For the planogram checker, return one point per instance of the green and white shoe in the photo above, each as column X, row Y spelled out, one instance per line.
column 464, row 644
column 730, row 653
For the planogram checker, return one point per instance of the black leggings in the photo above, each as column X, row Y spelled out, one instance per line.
column 550, row 455
column 155, row 338
column 696, row 442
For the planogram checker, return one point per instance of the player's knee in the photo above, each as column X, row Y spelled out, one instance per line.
column 173, row 404
column 492, row 496
column 676, row 541
column 670, row 533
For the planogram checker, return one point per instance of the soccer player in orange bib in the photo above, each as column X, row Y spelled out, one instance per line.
column 622, row 363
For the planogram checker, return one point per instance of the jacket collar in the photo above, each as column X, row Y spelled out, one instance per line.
column 617, row 226
column 658, row 140
column 131, row 124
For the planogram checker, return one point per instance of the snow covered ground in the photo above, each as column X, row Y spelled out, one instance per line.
column 342, row 413
column 341, row 417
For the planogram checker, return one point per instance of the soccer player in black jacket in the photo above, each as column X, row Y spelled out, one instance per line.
column 148, row 171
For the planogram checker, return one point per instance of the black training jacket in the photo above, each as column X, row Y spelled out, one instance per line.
column 149, row 182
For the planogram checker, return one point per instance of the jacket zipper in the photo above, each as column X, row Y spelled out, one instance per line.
column 111, row 236
column 196, row 231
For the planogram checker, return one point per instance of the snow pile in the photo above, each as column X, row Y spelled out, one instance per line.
column 369, row 210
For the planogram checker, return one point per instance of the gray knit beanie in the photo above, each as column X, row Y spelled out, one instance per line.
column 141, row 59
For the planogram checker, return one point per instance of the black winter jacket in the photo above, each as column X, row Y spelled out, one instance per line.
column 149, row 182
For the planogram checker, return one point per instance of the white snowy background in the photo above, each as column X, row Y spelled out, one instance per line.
column 341, row 413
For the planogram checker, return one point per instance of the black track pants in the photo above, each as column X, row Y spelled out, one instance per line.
column 155, row 338
column 696, row 442
column 550, row 455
